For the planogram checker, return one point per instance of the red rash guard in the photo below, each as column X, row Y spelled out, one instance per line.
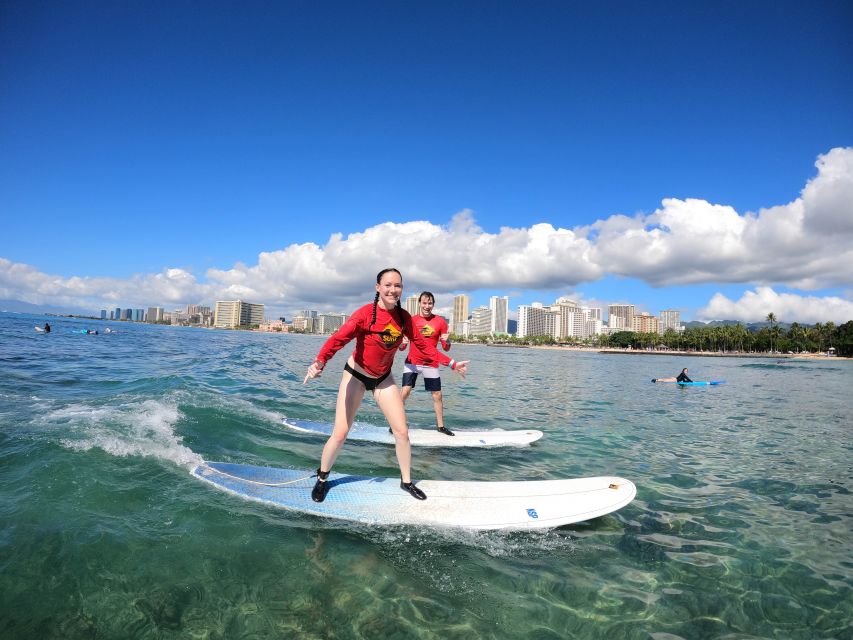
column 432, row 329
column 374, row 351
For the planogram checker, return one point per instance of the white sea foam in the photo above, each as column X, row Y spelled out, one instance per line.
column 237, row 404
column 134, row 428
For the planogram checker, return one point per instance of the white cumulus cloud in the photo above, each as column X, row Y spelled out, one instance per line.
column 754, row 306
column 23, row 282
column 806, row 244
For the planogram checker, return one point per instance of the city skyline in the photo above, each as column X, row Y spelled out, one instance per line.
column 669, row 157
column 563, row 317
column 460, row 303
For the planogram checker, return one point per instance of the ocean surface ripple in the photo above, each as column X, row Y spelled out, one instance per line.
column 741, row 527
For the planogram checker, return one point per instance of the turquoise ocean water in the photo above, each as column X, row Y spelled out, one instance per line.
column 741, row 527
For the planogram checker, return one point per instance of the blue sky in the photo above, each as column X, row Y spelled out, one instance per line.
column 151, row 152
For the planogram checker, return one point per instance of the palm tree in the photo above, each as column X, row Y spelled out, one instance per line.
column 740, row 334
column 817, row 335
column 771, row 318
column 829, row 327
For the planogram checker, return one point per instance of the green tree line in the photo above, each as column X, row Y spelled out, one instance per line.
column 734, row 338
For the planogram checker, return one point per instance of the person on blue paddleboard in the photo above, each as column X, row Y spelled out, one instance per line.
column 681, row 377
column 434, row 329
column 378, row 330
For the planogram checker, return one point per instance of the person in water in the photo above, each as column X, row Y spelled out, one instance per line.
column 47, row 327
column 434, row 329
column 681, row 377
column 378, row 329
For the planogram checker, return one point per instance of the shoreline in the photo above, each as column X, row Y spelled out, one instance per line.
column 672, row 352
column 727, row 354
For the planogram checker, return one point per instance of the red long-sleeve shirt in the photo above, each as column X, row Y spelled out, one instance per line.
column 376, row 344
column 432, row 329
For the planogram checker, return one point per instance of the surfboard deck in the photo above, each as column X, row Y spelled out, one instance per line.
column 538, row 504
column 422, row 437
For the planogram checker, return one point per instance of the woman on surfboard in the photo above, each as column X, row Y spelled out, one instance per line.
column 682, row 377
column 378, row 330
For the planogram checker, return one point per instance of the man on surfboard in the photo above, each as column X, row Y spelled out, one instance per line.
column 378, row 329
column 434, row 329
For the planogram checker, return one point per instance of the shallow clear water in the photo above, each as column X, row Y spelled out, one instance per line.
column 741, row 527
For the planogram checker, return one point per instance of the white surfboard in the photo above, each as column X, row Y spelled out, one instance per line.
column 422, row 437
column 538, row 504
column 40, row 329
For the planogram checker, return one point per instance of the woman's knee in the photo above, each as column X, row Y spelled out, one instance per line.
column 400, row 432
column 338, row 437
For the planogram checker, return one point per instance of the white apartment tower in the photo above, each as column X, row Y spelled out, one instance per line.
column 568, row 320
column 329, row 322
column 499, row 306
column 412, row 305
column 593, row 321
column 230, row 314
column 620, row 316
column 535, row 320
column 670, row 319
column 481, row 322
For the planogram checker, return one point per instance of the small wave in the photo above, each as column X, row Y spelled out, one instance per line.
column 766, row 365
column 803, row 366
column 136, row 428
column 228, row 403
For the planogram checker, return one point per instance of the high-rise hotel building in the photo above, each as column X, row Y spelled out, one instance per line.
column 569, row 320
column 535, row 320
column 459, row 316
column 412, row 305
column 670, row 319
column 645, row 323
column 329, row 322
column 481, row 322
column 499, row 306
column 563, row 319
column 230, row 314
column 620, row 316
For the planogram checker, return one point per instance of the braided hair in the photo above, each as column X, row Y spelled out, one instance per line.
column 376, row 297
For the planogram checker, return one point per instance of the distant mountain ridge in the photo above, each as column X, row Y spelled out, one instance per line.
column 751, row 326
column 19, row 306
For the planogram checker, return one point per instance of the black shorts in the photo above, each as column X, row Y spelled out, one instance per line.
column 369, row 383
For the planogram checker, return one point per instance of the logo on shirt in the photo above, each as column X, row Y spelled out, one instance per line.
column 390, row 335
column 427, row 330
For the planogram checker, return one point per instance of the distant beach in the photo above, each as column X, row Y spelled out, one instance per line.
column 672, row 352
